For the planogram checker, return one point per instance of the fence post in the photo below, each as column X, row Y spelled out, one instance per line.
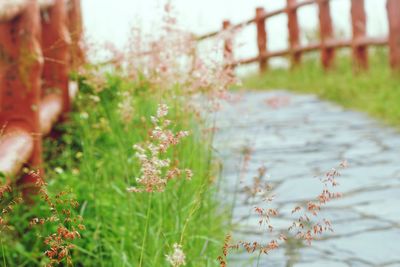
column 56, row 50
column 393, row 9
column 294, row 32
column 21, row 65
column 359, row 20
column 261, row 38
column 76, row 32
column 326, row 32
column 228, row 44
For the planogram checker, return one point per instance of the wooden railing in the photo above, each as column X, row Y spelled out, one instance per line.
column 327, row 44
column 40, row 45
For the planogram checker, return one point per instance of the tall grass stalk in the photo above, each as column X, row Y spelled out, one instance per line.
column 146, row 228
column 2, row 251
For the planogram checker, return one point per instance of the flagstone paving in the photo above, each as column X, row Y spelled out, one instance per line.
column 297, row 138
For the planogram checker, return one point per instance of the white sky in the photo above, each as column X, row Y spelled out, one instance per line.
column 110, row 20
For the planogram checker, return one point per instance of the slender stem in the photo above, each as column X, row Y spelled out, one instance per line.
column 2, row 250
column 239, row 177
column 258, row 259
column 203, row 188
column 145, row 230
column 195, row 207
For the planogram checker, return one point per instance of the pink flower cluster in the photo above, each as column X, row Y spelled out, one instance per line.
column 177, row 258
column 155, row 167
column 304, row 227
column 171, row 58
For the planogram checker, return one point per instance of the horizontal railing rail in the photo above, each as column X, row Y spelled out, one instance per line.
column 40, row 45
column 327, row 45
column 253, row 20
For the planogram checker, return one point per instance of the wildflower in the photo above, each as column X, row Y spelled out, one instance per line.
column 133, row 189
column 59, row 170
column 125, row 108
column 180, row 63
column 60, row 242
column 7, row 210
column 84, row 115
column 162, row 111
column 305, row 229
column 273, row 244
column 155, row 168
column 178, row 257
column 296, row 209
column 282, row 237
column 95, row 98
column 97, row 80
column 344, row 164
column 189, row 174
column 116, row 55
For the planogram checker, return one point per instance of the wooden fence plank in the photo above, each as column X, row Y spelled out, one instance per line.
column 56, row 49
column 326, row 32
column 228, row 43
column 359, row 26
column 76, row 32
column 393, row 9
column 294, row 32
column 261, row 38
column 21, row 65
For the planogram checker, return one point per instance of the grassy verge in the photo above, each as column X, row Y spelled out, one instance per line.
column 376, row 92
column 95, row 160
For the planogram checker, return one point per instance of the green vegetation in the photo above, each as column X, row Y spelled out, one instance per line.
column 376, row 92
column 94, row 159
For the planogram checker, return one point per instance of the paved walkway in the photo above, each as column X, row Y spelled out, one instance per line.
column 297, row 137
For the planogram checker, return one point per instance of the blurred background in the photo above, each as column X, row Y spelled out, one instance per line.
column 111, row 21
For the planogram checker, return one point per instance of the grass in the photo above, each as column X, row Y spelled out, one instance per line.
column 376, row 91
column 94, row 159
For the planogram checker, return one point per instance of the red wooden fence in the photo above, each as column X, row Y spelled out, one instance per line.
column 327, row 44
column 40, row 44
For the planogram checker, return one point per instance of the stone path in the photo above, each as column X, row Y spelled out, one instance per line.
column 298, row 137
